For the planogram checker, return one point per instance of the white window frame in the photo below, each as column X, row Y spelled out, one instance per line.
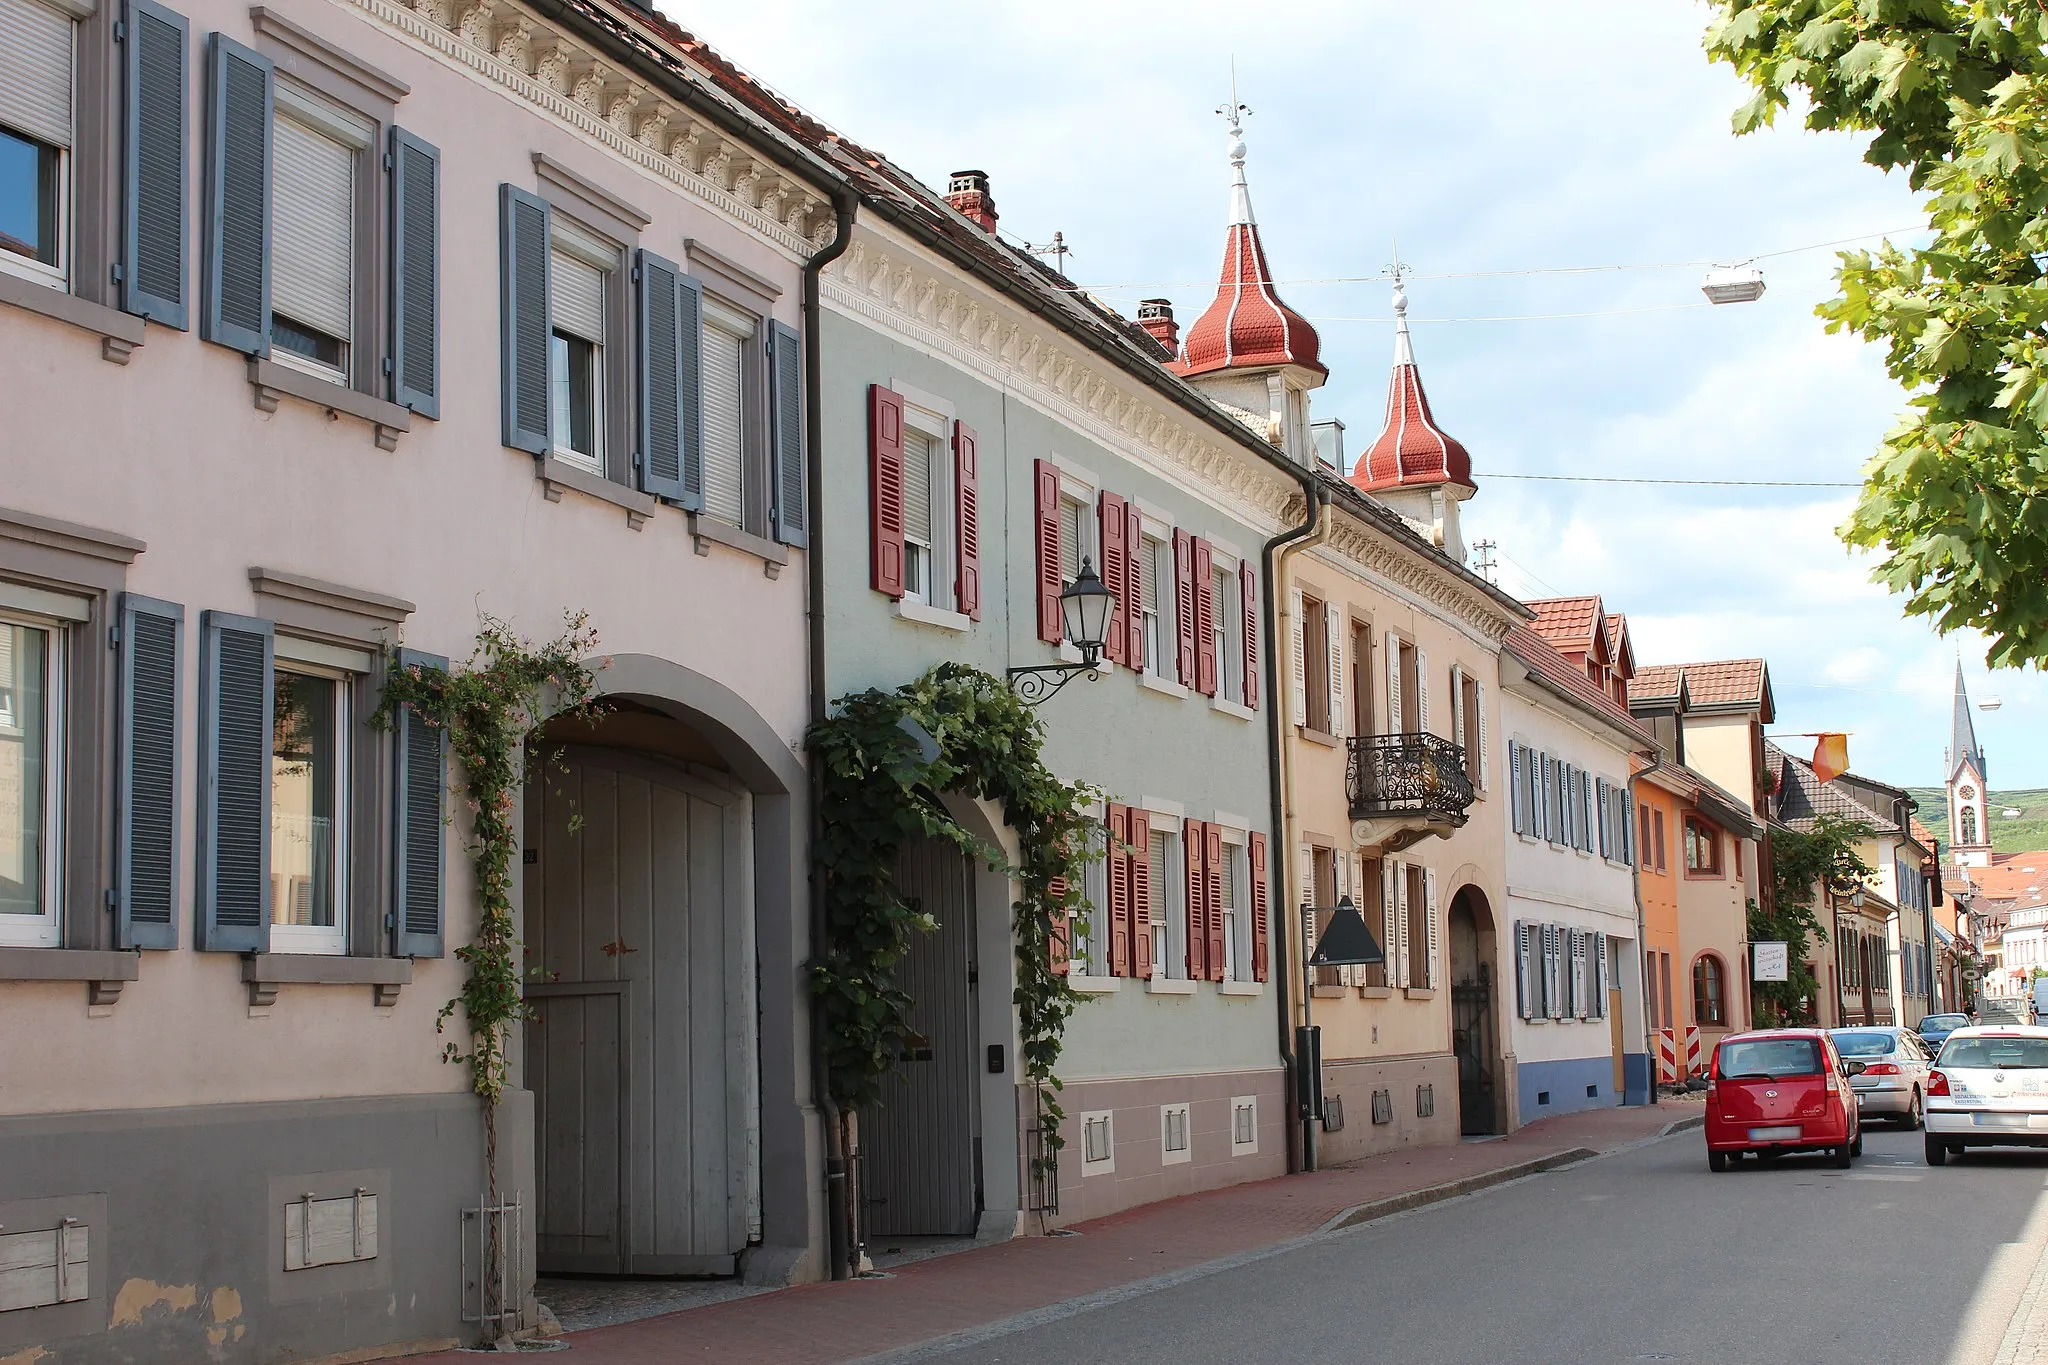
column 744, row 326
column 922, row 416
column 56, row 276
column 574, row 240
column 1167, row 1114
column 1229, row 612
column 1105, row 1165
column 1237, row 919
column 1079, row 486
column 1170, row 923
column 46, row 929
column 1239, row 1105
column 306, row 659
column 359, row 136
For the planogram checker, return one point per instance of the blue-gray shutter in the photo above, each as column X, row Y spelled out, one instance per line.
column 690, row 365
column 523, row 317
column 235, row 700
column 420, row 764
column 661, row 376
column 153, row 165
column 150, row 662
column 241, row 95
column 415, row 274
column 786, row 433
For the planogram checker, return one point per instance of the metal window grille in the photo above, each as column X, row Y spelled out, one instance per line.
column 1244, row 1124
column 1382, row 1106
column 1095, row 1139
column 1177, row 1129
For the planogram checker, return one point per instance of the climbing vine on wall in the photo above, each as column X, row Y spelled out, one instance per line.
column 880, row 793
column 1804, row 867
column 490, row 708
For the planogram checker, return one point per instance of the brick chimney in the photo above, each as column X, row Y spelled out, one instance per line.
column 967, row 191
column 1156, row 317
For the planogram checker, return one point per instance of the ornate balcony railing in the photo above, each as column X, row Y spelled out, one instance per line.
column 1408, row 777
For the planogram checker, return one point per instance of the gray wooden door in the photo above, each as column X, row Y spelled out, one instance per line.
column 918, row 1145
column 640, row 1056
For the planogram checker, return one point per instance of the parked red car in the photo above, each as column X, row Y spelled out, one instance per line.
column 1780, row 1090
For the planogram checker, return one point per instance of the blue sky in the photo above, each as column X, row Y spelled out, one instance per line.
column 1494, row 136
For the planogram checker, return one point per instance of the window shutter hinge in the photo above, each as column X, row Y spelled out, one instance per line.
column 390, row 162
column 639, row 459
column 113, row 900
column 116, row 272
column 389, row 366
column 113, row 637
column 120, row 31
column 636, row 274
column 390, row 922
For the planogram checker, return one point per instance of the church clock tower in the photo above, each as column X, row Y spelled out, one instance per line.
column 1969, row 800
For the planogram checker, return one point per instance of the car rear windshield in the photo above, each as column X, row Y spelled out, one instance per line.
column 2006, row 1054
column 1934, row 1022
column 1864, row 1044
column 1765, row 1058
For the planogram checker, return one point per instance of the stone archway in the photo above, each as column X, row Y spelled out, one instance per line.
column 1475, row 1013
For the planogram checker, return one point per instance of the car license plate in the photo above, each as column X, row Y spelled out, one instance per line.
column 1779, row 1134
column 2001, row 1120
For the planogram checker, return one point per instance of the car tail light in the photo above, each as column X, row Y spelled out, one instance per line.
column 1834, row 1084
column 1937, row 1083
column 1881, row 1069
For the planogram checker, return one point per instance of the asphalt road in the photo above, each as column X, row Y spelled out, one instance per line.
column 1641, row 1256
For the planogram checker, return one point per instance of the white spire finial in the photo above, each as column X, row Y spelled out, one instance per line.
column 1233, row 118
column 1404, row 349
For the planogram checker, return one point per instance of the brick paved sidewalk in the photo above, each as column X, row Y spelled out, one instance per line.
column 928, row 1299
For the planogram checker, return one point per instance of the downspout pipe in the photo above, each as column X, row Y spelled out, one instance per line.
column 838, row 1224
column 1643, row 931
column 1277, row 969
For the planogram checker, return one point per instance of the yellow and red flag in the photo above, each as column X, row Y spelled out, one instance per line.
column 1830, row 756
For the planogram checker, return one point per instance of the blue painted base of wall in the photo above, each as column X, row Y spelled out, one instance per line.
column 1560, row 1087
column 1635, row 1076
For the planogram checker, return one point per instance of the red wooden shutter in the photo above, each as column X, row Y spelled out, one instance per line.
column 1260, row 914
column 1250, row 628
column 1057, row 941
column 885, row 490
column 967, row 510
column 1133, row 586
column 1116, row 560
column 1205, row 618
column 1047, row 483
column 1141, row 894
column 1192, row 847
column 1213, row 895
column 1119, row 892
column 1184, row 606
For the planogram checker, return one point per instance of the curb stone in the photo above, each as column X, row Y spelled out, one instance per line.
column 1683, row 1125
column 1451, row 1189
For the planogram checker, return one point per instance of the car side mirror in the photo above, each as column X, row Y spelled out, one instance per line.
column 1852, row 1068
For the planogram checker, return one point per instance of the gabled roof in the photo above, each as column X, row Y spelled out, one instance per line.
column 1620, row 648
column 1572, row 624
column 1563, row 677
column 1658, row 684
column 1802, row 798
column 1246, row 325
column 1712, row 799
column 1411, row 450
column 1730, row 685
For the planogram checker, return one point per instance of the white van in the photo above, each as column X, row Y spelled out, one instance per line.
column 2040, row 1000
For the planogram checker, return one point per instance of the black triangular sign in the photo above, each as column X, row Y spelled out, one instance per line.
column 1346, row 942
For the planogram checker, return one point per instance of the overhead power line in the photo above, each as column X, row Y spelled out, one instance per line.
column 1691, row 483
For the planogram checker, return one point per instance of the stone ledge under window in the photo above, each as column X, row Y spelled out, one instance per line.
column 926, row 615
column 711, row 531
column 1170, row 985
column 272, row 381
column 265, row 972
column 1329, row 992
column 104, row 972
column 1093, row 985
column 1231, row 708
column 119, row 333
column 1418, row 992
column 1165, row 687
column 1376, row 992
column 1243, row 988
column 1322, row 737
column 556, row 475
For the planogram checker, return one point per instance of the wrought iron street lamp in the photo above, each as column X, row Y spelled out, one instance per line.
column 1086, row 609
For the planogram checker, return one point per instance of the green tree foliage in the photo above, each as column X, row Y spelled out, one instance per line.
column 1955, row 93
column 1803, row 867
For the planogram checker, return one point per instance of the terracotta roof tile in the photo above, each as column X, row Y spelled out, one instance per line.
column 1656, row 682
column 1532, row 649
column 1726, row 682
column 1566, row 622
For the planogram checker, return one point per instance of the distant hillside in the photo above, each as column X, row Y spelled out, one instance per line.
column 2028, row 831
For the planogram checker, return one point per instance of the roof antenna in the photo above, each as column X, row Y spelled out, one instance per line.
column 1056, row 248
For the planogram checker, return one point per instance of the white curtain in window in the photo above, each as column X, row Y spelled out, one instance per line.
column 35, row 71
column 1070, row 540
column 312, row 227
column 724, row 426
column 576, row 297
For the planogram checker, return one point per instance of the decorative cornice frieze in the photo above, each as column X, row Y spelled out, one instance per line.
column 553, row 72
column 1373, row 557
column 896, row 291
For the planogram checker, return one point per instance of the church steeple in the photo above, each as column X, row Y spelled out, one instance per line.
column 1969, row 800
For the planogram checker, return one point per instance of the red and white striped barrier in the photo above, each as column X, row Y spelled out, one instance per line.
column 1678, row 1053
column 1692, row 1051
column 1667, row 1056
